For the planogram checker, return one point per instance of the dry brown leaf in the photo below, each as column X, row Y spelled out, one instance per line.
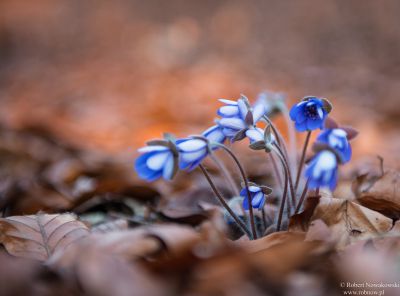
column 382, row 194
column 271, row 240
column 39, row 236
column 350, row 222
column 136, row 243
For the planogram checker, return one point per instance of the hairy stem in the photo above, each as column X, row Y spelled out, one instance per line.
column 286, row 166
column 279, row 138
column 220, row 198
column 303, row 156
column 276, row 171
column 221, row 166
column 303, row 195
column 292, row 135
column 246, row 183
column 283, row 200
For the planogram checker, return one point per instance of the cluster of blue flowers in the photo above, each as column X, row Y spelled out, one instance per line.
column 238, row 120
column 332, row 144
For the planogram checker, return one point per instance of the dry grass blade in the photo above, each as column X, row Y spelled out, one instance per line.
column 39, row 236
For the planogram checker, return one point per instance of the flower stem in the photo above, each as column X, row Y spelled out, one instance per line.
column 303, row 195
column 301, row 164
column 264, row 218
column 287, row 168
column 246, row 183
column 276, row 171
column 292, row 135
column 221, row 166
column 220, row 198
column 283, row 200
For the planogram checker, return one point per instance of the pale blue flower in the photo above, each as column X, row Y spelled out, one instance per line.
column 337, row 139
column 238, row 116
column 257, row 197
column 322, row 171
column 192, row 151
column 155, row 162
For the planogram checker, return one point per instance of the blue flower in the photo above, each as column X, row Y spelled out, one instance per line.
column 156, row 161
column 238, row 116
column 310, row 114
column 192, row 151
column 214, row 134
column 337, row 139
column 322, row 171
column 257, row 197
column 255, row 134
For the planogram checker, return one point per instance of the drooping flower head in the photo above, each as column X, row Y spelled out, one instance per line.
column 255, row 134
column 238, row 116
column 322, row 171
column 337, row 139
column 159, row 158
column 257, row 194
column 192, row 151
column 310, row 113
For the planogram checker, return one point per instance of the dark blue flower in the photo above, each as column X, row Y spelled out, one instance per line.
column 337, row 139
column 257, row 197
column 156, row 161
column 214, row 134
column 192, row 151
column 322, row 170
column 309, row 114
column 238, row 116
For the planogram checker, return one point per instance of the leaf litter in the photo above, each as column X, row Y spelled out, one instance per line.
column 101, row 232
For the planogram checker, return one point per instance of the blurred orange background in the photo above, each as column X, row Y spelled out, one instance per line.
column 107, row 75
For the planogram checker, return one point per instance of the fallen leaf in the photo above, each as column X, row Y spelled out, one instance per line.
column 381, row 195
column 39, row 236
column 350, row 222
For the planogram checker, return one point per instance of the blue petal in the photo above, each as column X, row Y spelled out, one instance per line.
column 194, row 164
column 301, row 127
column 152, row 149
column 228, row 102
column 258, row 112
column 324, row 136
column 188, row 157
column 228, row 132
column 245, row 204
column 255, row 135
column 313, row 124
column 156, row 162
column 214, row 134
column 168, row 168
column 252, row 190
column 228, row 111
column 232, row 123
column 257, row 201
column 296, row 109
column 242, row 108
column 143, row 171
column 300, row 117
column 191, row 145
